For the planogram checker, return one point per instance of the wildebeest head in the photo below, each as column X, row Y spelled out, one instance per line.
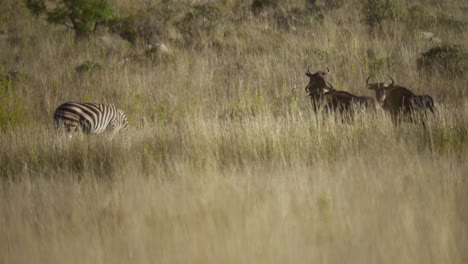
column 317, row 82
column 379, row 88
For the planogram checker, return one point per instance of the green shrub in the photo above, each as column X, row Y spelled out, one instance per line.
column 145, row 27
column 11, row 108
column 420, row 16
column 451, row 21
column 192, row 26
column 445, row 59
column 377, row 11
column 11, row 77
column 82, row 16
column 126, row 28
column 198, row 25
column 149, row 26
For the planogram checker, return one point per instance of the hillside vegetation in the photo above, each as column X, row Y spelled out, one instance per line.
column 225, row 159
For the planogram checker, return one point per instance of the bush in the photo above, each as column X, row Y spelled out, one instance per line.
column 376, row 11
column 82, row 16
column 149, row 26
column 420, row 16
column 193, row 26
column 445, row 59
column 199, row 24
column 126, row 28
column 11, row 108
column 451, row 21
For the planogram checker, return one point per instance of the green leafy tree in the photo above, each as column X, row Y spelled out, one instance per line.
column 82, row 16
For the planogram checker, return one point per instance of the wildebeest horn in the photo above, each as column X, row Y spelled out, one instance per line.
column 393, row 82
column 308, row 69
column 331, row 86
column 328, row 70
column 367, row 81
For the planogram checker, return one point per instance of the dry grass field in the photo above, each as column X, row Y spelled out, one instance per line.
column 225, row 161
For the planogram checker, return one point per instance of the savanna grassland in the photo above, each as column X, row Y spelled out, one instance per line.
column 225, row 161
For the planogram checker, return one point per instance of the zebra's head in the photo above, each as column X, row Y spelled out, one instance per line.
column 121, row 122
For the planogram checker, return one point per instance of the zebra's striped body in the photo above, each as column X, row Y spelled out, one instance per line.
column 89, row 118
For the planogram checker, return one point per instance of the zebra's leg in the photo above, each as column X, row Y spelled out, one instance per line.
column 113, row 129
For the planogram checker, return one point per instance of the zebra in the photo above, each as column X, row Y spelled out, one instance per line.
column 89, row 118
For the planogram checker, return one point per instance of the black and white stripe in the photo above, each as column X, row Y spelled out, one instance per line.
column 89, row 118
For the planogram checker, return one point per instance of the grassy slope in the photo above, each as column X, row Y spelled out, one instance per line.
column 223, row 162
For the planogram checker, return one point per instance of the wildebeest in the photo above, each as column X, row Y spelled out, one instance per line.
column 400, row 102
column 424, row 102
column 316, row 80
column 324, row 96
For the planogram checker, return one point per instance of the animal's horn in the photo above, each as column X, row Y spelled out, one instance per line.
column 331, row 86
column 328, row 70
column 393, row 82
column 367, row 81
column 308, row 69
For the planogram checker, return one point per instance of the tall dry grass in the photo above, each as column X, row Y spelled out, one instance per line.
column 225, row 160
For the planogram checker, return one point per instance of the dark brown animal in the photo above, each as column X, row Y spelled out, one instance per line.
column 341, row 101
column 400, row 102
column 316, row 80
column 324, row 96
column 366, row 102
column 316, row 87
column 424, row 102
